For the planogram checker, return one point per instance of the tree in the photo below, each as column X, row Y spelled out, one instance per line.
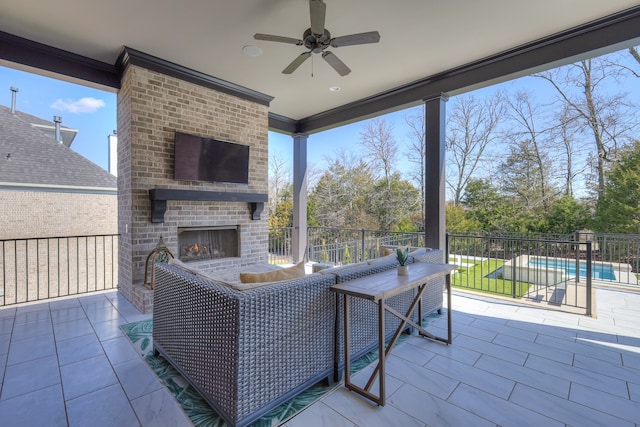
column 458, row 220
column 566, row 215
column 279, row 176
column 487, row 207
column 470, row 130
column 524, row 175
column 417, row 153
column 393, row 208
column 380, row 147
column 528, row 165
column 618, row 211
column 633, row 51
column 340, row 199
column 602, row 115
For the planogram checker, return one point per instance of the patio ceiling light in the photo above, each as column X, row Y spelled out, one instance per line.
column 252, row 51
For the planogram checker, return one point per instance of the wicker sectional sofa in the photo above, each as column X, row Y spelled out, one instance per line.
column 247, row 351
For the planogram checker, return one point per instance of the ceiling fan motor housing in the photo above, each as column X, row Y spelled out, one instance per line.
column 316, row 43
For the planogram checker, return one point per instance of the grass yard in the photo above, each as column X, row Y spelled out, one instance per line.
column 482, row 276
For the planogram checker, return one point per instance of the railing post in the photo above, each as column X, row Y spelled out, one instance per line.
column 588, row 277
column 447, row 235
column 514, row 269
column 362, row 253
column 578, row 257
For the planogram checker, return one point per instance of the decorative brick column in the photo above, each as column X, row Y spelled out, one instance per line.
column 152, row 106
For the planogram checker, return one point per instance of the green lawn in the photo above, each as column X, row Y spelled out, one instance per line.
column 475, row 278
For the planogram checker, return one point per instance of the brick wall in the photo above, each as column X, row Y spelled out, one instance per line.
column 27, row 214
column 151, row 108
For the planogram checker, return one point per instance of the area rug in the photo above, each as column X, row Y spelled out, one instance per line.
column 197, row 409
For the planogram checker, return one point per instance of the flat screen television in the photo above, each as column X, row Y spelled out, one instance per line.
column 198, row 158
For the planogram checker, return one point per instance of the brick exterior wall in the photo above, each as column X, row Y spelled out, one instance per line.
column 151, row 108
column 27, row 214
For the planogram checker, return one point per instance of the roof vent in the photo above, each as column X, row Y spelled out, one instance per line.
column 57, row 120
column 14, row 91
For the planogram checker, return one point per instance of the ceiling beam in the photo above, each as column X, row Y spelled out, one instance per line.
column 43, row 57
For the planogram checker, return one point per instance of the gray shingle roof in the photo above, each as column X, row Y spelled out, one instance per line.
column 39, row 160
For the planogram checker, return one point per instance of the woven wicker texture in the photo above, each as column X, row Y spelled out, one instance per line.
column 244, row 350
column 432, row 297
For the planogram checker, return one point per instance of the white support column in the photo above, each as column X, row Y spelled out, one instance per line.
column 435, row 213
column 299, row 197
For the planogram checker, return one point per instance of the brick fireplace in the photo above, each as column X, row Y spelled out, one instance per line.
column 152, row 106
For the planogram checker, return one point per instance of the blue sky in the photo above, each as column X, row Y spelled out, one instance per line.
column 93, row 113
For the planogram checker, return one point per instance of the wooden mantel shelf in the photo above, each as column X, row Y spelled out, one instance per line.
column 159, row 197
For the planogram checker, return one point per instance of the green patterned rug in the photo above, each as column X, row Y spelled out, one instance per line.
column 197, row 409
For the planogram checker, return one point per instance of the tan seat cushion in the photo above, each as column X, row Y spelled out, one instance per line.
column 274, row 276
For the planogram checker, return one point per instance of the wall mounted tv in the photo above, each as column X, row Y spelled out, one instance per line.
column 198, row 158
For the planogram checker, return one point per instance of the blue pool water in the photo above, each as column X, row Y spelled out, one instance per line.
column 598, row 270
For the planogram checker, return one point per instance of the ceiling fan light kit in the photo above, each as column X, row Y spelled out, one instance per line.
column 317, row 39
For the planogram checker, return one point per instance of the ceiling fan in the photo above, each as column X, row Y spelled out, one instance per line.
column 317, row 39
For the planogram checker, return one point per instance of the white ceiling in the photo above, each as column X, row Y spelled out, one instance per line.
column 418, row 38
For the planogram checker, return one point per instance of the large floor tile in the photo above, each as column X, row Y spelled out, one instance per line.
column 564, row 411
column 318, row 415
column 499, row 411
column 67, row 314
column 44, row 407
column 531, row 377
column 72, row 329
column 470, row 375
column 26, row 377
column 110, row 329
column 363, row 412
column 39, row 328
column 579, row 375
column 31, row 348
column 32, row 313
column 605, row 402
column 78, row 348
column 160, row 409
column 7, row 322
column 87, row 376
column 107, row 407
column 137, row 378
column 434, row 411
column 119, row 350
column 421, row 377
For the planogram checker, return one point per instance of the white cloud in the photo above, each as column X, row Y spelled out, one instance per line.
column 82, row 105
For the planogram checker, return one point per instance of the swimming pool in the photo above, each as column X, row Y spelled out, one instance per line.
column 598, row 270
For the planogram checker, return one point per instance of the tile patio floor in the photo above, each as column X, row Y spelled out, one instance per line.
column 67, row 363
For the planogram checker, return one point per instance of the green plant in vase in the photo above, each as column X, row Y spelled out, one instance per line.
column 402, row 255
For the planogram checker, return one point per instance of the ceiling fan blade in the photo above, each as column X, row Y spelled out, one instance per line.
column 281, row 39
column 296, row 63
column 360, row 38
column 318, row 12
column 336, row 63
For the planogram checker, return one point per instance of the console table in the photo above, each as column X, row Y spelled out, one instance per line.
column 378, row 287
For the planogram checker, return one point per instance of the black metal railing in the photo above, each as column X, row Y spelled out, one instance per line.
column 547, row 268
column 557, row 272
column 40, row 268
column 348, row 245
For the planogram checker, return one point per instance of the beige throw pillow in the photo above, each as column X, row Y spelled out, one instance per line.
column 274, row 276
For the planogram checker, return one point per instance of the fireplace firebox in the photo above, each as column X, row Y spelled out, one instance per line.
column 202, row 243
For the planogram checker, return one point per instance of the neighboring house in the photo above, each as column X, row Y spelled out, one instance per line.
column 47, row 189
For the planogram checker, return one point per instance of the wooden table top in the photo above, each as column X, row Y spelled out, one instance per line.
column 387, row 284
